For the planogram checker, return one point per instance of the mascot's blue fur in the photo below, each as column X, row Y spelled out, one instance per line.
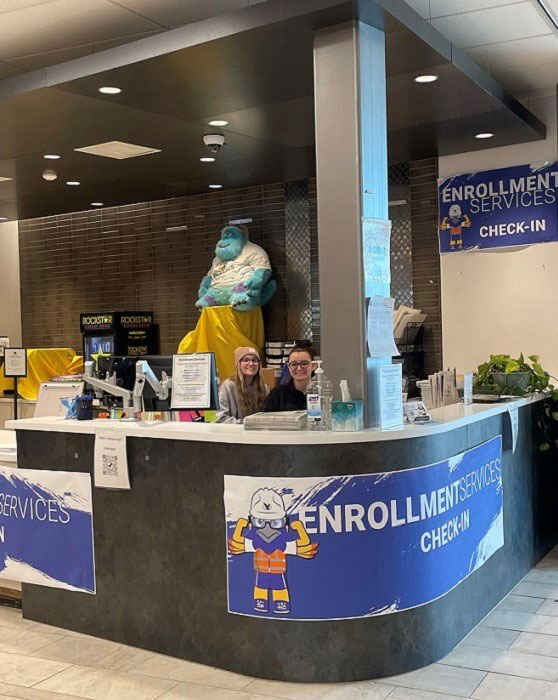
column 240, row 275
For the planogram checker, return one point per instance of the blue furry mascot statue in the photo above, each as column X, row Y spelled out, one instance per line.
column 240, row 275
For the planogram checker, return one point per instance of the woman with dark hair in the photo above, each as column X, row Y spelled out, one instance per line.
column 291, row 396
column 243, row 393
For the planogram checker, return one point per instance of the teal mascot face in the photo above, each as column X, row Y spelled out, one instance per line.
column 230, row 244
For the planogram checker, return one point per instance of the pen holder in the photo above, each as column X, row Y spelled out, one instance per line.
column 347, row 416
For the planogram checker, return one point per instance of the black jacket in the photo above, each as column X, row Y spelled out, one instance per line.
column 284, row 397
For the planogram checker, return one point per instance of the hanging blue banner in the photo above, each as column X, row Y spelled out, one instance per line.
column 312, row 548
column 497, row 208
column 46, row 528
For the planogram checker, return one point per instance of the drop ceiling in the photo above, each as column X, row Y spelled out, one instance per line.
column 515, row 41
column 252, row 67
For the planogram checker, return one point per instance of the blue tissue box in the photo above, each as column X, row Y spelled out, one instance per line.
column 347, row 416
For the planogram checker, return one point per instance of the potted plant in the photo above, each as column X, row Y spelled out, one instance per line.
column 503, row 374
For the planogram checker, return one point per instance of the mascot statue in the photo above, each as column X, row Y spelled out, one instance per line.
column 240, row 275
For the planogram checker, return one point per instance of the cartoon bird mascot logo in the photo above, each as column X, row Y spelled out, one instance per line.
column 269, row 534
column 454, row 223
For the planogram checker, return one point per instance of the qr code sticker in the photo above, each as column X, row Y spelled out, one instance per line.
column 110, row 465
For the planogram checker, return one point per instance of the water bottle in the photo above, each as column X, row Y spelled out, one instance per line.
column 319, row 396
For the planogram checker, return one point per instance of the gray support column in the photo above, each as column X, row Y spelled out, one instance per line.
column 352, row 182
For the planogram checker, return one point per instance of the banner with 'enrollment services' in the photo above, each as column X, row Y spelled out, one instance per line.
column 311, row 548
column 498, row 208
column 46, row 528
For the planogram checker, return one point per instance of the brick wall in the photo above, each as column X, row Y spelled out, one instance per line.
column 124, row 258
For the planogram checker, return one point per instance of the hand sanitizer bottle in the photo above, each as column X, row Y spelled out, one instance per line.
column 319, row 395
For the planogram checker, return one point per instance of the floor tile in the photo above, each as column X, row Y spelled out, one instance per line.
column 25, row 670
column 41, row 627
column 24, row 640
column 439, row 678
column 12, row 617
column 536, row 589
column 94, row 652
column 542, row 576
column 159, row 666
column 520, row 603
column 413, row 694
column 547, row 564
column 545, row 644
column 100, row 684
column 15, row 691
column 522, row 622
column 513, row 663
column 549, row 607
column 501, row 687
column 190, row 691
column 365, row 690
column 492, row 637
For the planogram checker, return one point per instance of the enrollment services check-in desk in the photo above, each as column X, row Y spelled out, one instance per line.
column 404, row 568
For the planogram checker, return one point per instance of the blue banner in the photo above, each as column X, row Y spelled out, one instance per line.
column 337, row 547
column 46, row 528
column 497, row 208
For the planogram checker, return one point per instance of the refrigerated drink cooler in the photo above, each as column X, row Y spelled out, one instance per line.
column 129, row 333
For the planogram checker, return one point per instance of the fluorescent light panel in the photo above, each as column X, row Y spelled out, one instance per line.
column 119, row 150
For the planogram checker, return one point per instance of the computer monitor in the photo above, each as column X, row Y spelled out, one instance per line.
column 125, row 369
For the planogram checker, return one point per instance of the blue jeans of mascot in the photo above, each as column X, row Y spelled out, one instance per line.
column 255, row 291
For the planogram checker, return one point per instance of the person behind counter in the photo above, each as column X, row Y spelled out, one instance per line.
column 243, row 393
column 291, row 396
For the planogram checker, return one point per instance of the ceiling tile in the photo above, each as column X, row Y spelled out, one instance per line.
column 441, row 8
column 516, row 54
column 51, row 58
column 174, row 13
column 13, row 5
column 492, row 25
column 64, row 24
column 534, row 82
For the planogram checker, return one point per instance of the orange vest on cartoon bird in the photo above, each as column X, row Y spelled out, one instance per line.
column 274, row 563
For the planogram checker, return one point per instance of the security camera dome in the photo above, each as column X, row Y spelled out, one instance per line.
column 49, row 175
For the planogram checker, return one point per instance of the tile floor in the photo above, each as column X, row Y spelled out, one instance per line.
column 511, row 655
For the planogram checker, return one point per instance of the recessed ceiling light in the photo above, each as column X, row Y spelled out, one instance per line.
column 51, row 156
column 97, row 204
column 425, row 78
column 3, row 218
column 207, row 159
column 215, row 187
column 484, row 135
column 107, row 90
column 49, row 175
column 117, row 149
column 4, row 179
column 73, row 182
column 218, row 122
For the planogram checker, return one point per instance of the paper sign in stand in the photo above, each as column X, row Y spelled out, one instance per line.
column 194, row 382
column 391, row 396
column 15, row 365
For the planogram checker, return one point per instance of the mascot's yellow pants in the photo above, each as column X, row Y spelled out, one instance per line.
column 221, row 330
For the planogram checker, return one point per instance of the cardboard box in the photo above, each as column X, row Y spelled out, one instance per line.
column 271, row 376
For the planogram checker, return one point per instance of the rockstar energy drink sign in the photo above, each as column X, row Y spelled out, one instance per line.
column 96, row 322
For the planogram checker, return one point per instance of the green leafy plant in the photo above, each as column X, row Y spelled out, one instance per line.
column 538, row 381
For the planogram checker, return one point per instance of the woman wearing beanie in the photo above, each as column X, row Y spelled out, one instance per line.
column 243, row 393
